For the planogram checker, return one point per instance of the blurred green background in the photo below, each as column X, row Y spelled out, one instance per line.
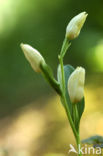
column 42, row 24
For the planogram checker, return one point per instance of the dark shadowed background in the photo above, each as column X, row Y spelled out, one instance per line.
column 26, row 100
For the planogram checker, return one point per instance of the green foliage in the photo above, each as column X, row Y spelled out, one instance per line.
column 76, row 112
column 93, row 140
column 48, row 75
column 65, row 47
column 68, row 69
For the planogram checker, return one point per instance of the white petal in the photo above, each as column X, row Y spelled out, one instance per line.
column 33, row 56
column 76, row 85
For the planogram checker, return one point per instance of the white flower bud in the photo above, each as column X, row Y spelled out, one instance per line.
column 33, row 56
column 74, row 27
column 76, row 85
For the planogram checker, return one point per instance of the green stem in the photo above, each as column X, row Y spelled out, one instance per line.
column 78, row 144
column 63, row 90
column 62, row 72
column 69, row 117
column 76, row 134
column 64, row 48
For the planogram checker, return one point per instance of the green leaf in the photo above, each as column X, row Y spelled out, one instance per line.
column 48, row 75
column 80, row 107
column 68, row 69
column 67, row 72
column 93, row 140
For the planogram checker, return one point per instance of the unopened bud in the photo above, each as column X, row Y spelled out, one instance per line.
column 74, row 27
column 33, row 56
column 76, row 85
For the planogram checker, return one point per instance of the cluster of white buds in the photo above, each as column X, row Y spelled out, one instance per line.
column 33, row 56
column 76, row 85
column 74, row 27
column 77, row 78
